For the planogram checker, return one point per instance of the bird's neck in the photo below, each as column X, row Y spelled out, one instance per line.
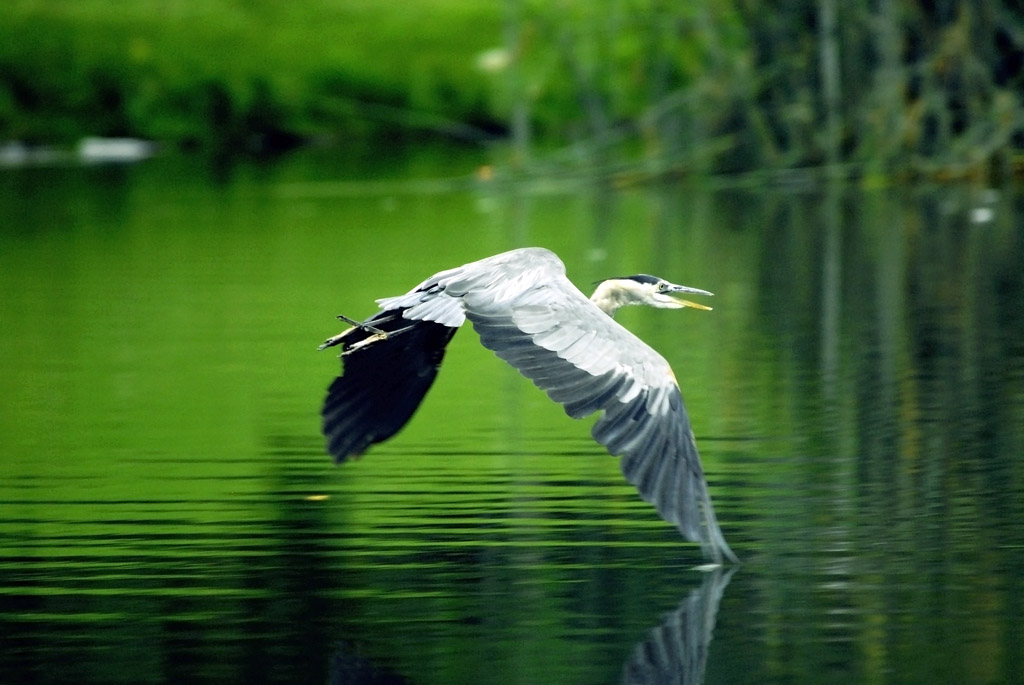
column 610, row 295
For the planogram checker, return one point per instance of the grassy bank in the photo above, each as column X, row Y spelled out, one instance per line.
column 203, row 73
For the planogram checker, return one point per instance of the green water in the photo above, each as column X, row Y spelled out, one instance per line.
column 169, row 515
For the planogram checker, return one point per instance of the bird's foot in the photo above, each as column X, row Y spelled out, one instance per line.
column 378, row 334
column 364, row 326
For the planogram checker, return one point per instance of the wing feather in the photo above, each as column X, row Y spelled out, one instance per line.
column 548, row 330
column 578, row 406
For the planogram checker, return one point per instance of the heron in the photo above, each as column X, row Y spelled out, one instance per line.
column 527, row 311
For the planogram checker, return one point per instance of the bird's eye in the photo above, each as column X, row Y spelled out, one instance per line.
column 662, row 287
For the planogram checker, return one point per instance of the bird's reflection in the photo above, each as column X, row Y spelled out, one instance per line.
column 676, row 652
column 673, row 653
column 349, row 667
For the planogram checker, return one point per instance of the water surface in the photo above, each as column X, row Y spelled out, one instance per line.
column 169, row 514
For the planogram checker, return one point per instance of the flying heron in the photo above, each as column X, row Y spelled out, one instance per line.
column 528, row 313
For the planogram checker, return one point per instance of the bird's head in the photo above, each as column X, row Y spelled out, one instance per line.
column 643, row 289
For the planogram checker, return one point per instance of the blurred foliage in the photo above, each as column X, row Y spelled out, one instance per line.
column 737, row 85
column 225, row 74
column 720, row 86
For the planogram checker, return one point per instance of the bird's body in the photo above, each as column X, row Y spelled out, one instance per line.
column 527, row 311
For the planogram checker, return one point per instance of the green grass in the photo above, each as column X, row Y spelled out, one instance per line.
column 180, row 69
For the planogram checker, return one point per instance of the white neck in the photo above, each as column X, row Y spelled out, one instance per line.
column 612, row 294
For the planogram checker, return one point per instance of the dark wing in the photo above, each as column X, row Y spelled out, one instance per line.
column 548, row 330
column 390, row 361
column 387, row 370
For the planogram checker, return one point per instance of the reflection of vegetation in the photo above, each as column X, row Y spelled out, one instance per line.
column 906, row 451
column 717, row 86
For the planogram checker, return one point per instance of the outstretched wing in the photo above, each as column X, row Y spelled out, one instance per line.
column 535, row 319
column 390, row 364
